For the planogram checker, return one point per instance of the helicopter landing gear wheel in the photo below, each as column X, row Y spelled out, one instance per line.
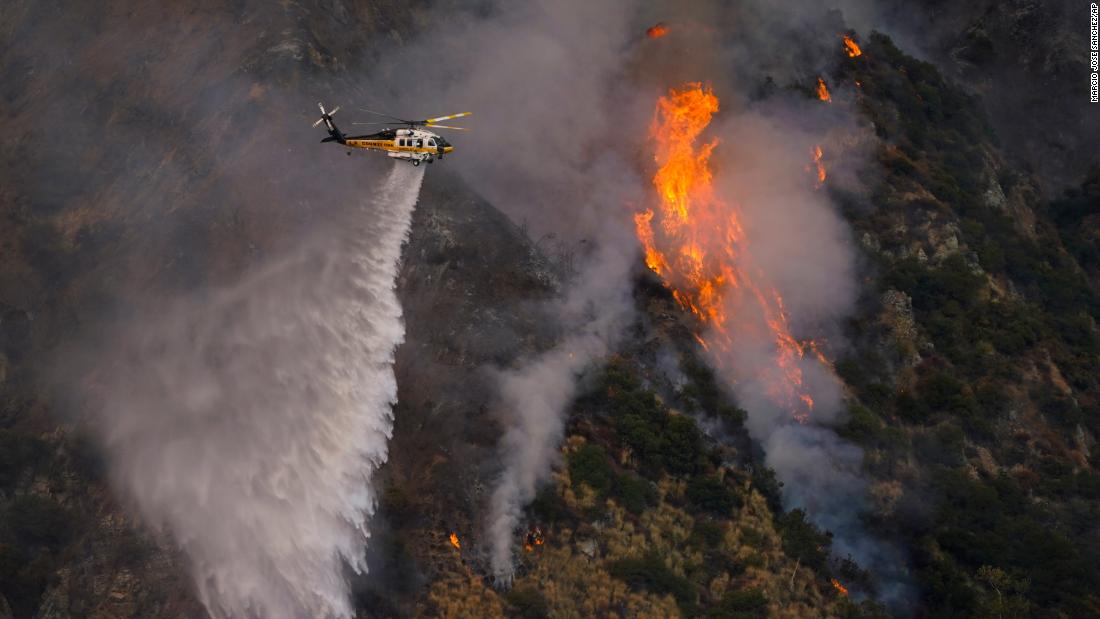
column 416, row 163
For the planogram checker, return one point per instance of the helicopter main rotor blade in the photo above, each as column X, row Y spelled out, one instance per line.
column 380, row 122
column 334, row 110
column 437, row 118
column 400, row 120
column 446, row 127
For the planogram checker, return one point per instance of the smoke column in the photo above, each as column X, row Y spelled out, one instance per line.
column 248, row 423
column 534, row 396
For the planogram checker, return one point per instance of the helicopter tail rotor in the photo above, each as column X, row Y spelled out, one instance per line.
column 325, row 115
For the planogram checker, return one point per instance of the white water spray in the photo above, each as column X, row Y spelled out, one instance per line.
column 248, row 424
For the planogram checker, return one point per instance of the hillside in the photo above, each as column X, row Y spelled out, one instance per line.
column 143, row 164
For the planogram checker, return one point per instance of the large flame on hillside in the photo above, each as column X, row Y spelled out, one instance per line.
column 823, row 91
column 696, row 243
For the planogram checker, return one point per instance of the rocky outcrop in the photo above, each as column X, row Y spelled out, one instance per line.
column 897, row 316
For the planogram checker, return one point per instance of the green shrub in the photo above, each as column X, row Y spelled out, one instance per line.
column 649, row 572
column 802, row 540
column 588, row 465
column 38, row 521
column 741, row 604
column 634, row 494
column 863, row 424
column 942, row 392
column 706, row 533
column 910, row 408
column 527, row 602
column 683, row 445
column 18, row 453
column 661, row 441
column 766, row 483
column 548, row 506
column 710, row 494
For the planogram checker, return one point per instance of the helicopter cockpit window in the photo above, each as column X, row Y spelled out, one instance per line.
column 431, row 142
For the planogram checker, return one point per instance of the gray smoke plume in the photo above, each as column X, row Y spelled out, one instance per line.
column 535, row 396
column 247, row 423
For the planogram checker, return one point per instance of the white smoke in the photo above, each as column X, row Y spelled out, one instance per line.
column 248, row 423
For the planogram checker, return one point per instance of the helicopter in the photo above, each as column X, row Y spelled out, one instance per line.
column 409, row 140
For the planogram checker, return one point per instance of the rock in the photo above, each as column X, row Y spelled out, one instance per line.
column 994, row 197
column 944, row 241
column 897, row 315
column 870, row 243
column 972, row 263
column 1080, row 439
column 588, row 547
column 985, row 460
column 5, row 610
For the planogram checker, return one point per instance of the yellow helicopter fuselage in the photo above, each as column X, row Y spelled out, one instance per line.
column 414, row 143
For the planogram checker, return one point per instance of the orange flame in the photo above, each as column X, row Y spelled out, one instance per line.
column 852, row 47
column 820, row 166
column 823, row 91
column 454, row 540
column 657, row 30
column 841, row 589
column 534, row 538
column 696, row 243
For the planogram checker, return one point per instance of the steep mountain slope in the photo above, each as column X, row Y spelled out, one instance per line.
column 1028, row 60
column 974, row 375
column 164, row 151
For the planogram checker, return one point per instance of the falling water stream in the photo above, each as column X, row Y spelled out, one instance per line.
column 248, row 424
